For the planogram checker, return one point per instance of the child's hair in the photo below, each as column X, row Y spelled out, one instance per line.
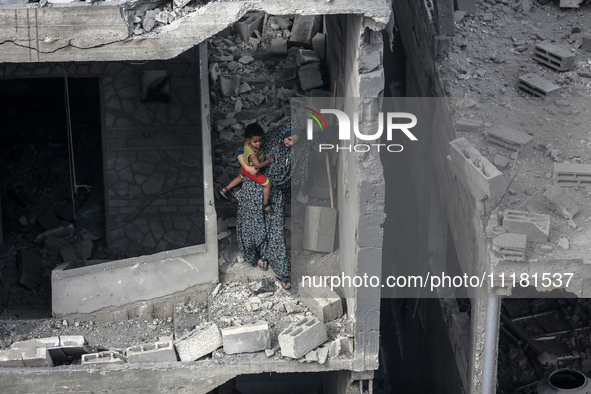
column 253, row 130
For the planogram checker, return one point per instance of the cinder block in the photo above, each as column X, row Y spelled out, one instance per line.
column 247, row 338
column 510, row 246
column 469, row 125
column 304, row 29
column 11, row 358
column 201, row 341
column 310, row 76
column 323, row 302
column 107, row 357
column 480, row 173
column 319, row 229
column 306, row 56
column 35, row 343
column 37, row 357
column 553, row 56
column 151, row 353
column 251, row 22
column 572, row 175
column 562, row 203
column 469, row 6
column 510, row 139
column 534, row 225
column 539, row 87
column 302, row 337
column 277, row 46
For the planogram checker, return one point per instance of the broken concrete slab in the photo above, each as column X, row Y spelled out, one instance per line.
column 198, row 343
column 37, row 357
column 510, row 246
column 229, row 85
column 562, row 203
column 161, row 351
column 501, row 161
column 247, row 338
column 323, row 302
column 535, row 226
column 302, row 337
column 11, row 358
column 570, row 3
column 277, row 46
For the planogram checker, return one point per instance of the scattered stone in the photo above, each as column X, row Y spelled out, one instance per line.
column 563, row 243
column 562, row 203
column 501, row 161
column 246, row 59
column 546, row 248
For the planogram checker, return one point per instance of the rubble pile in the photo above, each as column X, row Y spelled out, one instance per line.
column 145, row 17
column 255, row 67
column 254, row 317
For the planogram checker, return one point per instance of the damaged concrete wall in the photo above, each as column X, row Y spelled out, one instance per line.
column 154, row 169
column 361, row 191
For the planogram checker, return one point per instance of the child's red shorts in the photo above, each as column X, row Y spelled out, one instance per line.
column 259, row 178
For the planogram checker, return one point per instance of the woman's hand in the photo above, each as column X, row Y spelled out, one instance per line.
column 271, row 159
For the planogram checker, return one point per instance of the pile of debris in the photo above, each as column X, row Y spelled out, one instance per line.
column 250, row 317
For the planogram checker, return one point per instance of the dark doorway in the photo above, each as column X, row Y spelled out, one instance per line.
column 49, row 181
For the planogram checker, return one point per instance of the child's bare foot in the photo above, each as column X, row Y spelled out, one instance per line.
column 267, row 207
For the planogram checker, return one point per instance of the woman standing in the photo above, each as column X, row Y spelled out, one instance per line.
column 261, row 235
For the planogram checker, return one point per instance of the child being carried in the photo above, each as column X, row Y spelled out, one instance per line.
column 253, row 156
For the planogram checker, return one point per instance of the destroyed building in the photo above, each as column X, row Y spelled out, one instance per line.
column 120, row 119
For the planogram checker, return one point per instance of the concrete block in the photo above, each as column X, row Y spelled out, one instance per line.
column 480, row 173
column 319, row 45
column 572, row 175
column 323, row 302
column 248, row 338
column 11, row 358
column 554, row 56
column 562, row 203
column 310, row 76
column 444, row 17
column 510, row 246
column 535, row 226
column 501, row 161
column 319, row 229
column 251, row 22
column 229, row 85
column 586, row 42
column 302, row 337
column 289, row 71
column 37, row 357
column 304, row 29
column 469, row 125
column 29, row 269
column 203, row 340
column 107, row 357
column 151, row 353
column 468, row 6
column 322, row 355
column 277, row 46
column 539, row 87
column 306, row 56
column 510, row 139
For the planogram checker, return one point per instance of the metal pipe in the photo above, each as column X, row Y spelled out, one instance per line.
column 491, row 334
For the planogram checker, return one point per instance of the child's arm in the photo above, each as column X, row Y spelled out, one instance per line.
column 250, row 169
column 257, row 165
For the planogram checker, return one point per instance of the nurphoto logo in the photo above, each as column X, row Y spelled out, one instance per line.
column 392, row 120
